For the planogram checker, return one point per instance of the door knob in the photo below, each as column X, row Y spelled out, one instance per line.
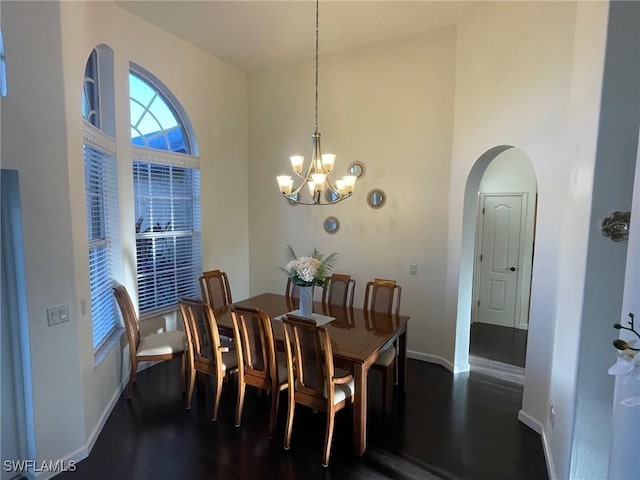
column 513, row 269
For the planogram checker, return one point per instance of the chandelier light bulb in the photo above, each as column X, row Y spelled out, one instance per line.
column 328, row 159
column 296, row 163
column 349, row 182
column 285, row 182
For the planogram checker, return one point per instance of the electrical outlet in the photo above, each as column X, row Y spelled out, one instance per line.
column 413, row 269
column 56, row 315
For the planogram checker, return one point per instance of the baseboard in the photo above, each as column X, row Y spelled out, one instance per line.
column 537, row 427
column 84, row 450
column 425, row 357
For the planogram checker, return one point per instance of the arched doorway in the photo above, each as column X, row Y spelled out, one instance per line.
column 496, row 258
column 503, row 260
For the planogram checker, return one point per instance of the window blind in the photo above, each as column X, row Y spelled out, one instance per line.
column 102, row 218
column 168, row 238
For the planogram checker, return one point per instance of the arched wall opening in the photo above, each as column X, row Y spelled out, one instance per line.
column 468, row 252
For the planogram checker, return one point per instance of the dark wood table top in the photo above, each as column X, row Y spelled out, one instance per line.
column 356, row 335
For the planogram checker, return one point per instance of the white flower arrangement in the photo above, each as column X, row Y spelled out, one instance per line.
column 628, row 364
column 309, row 270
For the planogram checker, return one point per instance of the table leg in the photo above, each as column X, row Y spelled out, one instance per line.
column 402, row 360
column 360, row 409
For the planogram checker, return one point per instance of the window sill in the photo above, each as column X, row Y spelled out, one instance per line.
column 105, row 349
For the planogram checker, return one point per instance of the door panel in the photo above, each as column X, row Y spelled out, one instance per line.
column 500, row 247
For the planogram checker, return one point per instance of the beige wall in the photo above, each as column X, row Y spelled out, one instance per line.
column 43, row 141
column 389, row 106
column 424, row 113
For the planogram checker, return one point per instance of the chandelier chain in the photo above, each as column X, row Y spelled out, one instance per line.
column 317, row 65
column 322, row 189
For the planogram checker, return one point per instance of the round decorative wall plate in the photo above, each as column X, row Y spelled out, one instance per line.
column 331, row 224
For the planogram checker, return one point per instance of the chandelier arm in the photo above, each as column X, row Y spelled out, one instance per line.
column 299, row 202
column 331, row 185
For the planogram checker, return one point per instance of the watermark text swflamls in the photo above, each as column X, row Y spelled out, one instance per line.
column 55, row 466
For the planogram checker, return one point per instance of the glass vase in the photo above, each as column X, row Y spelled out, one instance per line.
column 306, row 301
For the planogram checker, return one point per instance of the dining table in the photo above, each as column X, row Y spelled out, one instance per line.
column 357, row 338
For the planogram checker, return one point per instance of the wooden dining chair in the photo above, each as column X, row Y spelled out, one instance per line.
column 313, row 380
column 216, row 292
column 206, row 354
column 215, row 289
column 155, row 347
column 338, row 290
column 382, row 297
column 259, row 365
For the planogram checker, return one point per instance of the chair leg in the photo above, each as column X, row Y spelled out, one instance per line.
column 192, row 384
column 132, row 378
column 216, row 398
column 396, row 364
column 183, row 372
column 328, row 437
column 387, row 387
column 275, row 397
column 287, row 437
column 240, row 403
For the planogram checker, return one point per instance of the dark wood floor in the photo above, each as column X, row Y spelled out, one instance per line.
column 501, row 344
column 444, row 426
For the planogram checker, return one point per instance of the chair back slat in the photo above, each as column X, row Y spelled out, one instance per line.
column 129, row 316
column 382, row 296
column 201, row 328
column 338, row 290
column 215, row 289
column 254, row 338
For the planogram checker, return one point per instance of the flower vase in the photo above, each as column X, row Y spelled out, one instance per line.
column 306, row 301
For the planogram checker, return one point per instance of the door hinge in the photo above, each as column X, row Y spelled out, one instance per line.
column 478, row 302
column 483, row 210
column 480, row 257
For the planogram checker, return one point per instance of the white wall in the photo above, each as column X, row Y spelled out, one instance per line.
column 605, row 267
column 523, row 80
column 42, row 139
column 388, row 105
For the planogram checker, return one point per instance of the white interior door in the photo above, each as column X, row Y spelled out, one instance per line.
column 499, row 262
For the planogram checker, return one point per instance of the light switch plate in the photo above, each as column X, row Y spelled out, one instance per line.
column 56, row 315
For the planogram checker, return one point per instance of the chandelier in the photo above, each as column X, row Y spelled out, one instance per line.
column 320, row 187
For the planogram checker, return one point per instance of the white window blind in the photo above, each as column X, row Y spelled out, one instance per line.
column 102, row 221
column 168, row 243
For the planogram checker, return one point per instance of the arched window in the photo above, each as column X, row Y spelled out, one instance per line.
column 101, row 190
column 166, row 180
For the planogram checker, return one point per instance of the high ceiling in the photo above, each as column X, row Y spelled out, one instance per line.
column 254, row 35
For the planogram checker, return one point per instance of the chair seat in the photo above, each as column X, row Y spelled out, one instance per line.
column 164, row 343
column 229, row 360
column 386, row 357
column 344, row 391
column 281, row 364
